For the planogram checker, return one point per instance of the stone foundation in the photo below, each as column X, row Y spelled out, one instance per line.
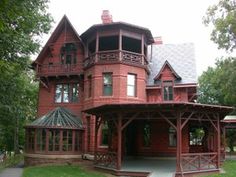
column 39, row 159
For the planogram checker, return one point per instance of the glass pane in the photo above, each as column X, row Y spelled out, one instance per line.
column 68, row 59
column 75, row 93
column 130, row 90
column 66, row 93
column 107, row 79
column 131, row 79
column 105, row 134
column 107, row 90
column 58, row 94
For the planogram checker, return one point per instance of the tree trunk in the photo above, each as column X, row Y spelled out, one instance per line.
column 16, row 137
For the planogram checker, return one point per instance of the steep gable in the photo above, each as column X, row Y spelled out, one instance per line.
column 64, row 33
column 167, row 73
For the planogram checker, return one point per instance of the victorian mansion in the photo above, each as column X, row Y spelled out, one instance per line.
column 116, row 92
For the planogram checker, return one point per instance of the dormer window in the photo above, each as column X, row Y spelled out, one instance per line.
column 68, row 54
column 167, row 90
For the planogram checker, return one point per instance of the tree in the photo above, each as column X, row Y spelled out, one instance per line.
column 218, row 85
column 18, row 98
column 223, row 18
column 21, row 24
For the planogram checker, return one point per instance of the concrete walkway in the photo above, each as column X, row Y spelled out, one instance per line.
column 13, row 171
column 159, row 167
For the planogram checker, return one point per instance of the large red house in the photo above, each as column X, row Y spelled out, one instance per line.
column 116, row 92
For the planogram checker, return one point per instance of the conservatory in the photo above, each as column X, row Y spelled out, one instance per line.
column 54, row 137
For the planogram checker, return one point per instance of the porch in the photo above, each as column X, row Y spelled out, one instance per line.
column 156, row 166
column 178, row 116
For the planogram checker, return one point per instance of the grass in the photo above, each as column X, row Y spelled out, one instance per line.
column 11, row 161
column 229, row 167
column 59, row 171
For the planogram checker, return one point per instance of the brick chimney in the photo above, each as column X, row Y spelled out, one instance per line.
column 106, row 17
column 158, row 40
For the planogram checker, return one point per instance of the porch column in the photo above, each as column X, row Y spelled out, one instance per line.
column 179, row 145
column 218, row 141
column 119, row 143
column 97, row 125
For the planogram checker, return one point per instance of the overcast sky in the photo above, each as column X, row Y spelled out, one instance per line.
column 176, row 21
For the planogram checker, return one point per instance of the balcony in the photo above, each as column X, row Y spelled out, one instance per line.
column 58, row 70
column 115, row 56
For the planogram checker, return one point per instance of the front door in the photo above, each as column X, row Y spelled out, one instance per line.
column 130, row 139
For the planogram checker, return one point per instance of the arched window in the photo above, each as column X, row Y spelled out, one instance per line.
column 68, row 53
column 172, row 136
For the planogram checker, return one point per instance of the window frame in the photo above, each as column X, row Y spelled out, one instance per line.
column 146, row 143
column 168, row 84
column 134, row 86
column 104, row 129
column 107, row 85
column 68, row 55
column 172, row 131
column 70, row 93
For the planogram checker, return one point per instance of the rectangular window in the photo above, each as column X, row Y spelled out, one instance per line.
column 104, row 141
column 75, row 93
column 41, row 139
column 89, row 86
column 131, row 85
column 58, row 95
column 54, row 140
column 167, row 90
column 146, row 134
column 172, row 137
column 65, row 93
column 107, row 84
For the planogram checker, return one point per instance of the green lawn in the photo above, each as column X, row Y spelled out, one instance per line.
column 59, row 171
column 230, row 169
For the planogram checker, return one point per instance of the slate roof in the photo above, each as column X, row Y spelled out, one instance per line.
column 181, row 57
column 58, row 118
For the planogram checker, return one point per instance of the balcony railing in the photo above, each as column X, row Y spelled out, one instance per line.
column 114, row 56
column 58, row 69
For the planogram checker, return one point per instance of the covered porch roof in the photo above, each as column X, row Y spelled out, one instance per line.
column 152, row 107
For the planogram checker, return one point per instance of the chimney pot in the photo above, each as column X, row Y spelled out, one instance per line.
column 158, row 40
column 106, row 17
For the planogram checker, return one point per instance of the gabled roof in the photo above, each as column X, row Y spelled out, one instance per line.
column 58, row 118
column 116, row 25
column 181, row 57
column 167, row 64
column 64, row 22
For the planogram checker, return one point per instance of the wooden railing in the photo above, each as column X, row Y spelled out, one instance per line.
column 106, row 159
column 58, row 69
column 115, row 56
column 198, row 161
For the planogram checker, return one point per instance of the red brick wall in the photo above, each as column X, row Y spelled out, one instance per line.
column 66, row 36
column 120, row 73
column 46, row 100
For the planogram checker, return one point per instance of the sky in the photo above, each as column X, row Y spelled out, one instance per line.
column 176, row 21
